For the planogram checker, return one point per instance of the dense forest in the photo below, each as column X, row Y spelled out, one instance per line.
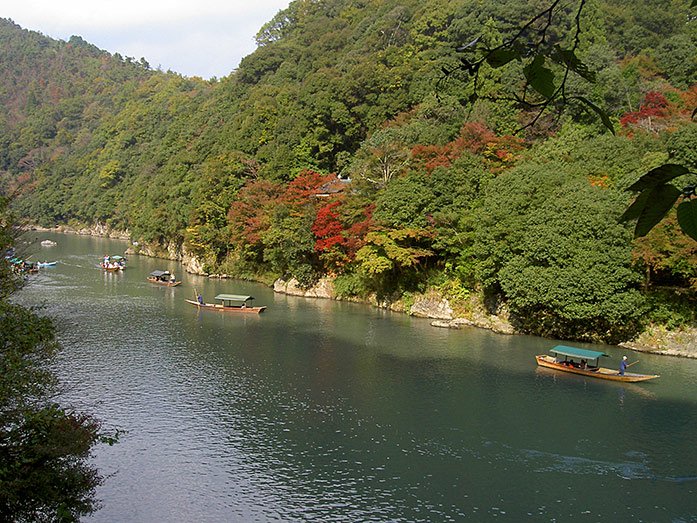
column 349, row 145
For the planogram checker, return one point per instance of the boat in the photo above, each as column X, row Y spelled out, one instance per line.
column 46, row 264
column 113, row 263
column 586, row 363
column 48, row 243
column 163, row 278
column 229, row 303
column 20, row 266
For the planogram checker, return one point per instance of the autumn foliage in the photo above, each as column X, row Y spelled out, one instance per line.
column 655, row 105
column 249, row 214
column 476, row 138
column 328, row 228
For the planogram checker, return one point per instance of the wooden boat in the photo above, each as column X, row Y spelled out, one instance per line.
column 229, row 303
column 20, row 266
column 110, row 268
column 165, row 278
column 113, row 263
column 585, row 362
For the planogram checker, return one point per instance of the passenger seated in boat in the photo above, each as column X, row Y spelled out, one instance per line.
column 584, row 364
column 199, row 298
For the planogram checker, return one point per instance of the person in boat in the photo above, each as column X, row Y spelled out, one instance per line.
column 172, row 278
column 623, row 365
column 584, row 364
column 199, row 298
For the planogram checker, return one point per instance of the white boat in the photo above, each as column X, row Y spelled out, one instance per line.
column 48, row 243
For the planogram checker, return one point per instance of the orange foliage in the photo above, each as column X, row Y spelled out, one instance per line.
column 689, row 98
column 248, row 215
column 475, row 137
column 306, row 185
column 601, row 180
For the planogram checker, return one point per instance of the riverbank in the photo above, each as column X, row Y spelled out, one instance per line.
column 430, row 305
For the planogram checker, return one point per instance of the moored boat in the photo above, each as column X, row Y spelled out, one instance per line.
column 586, row 363
column 229, row 303
column 20, row 266
column 165, row 278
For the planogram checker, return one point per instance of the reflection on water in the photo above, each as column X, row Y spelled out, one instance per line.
column 324, row 411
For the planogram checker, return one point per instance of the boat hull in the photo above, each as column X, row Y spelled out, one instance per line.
column 111, row 269
column 164, row 283
column 549, row 362
column 221, row 308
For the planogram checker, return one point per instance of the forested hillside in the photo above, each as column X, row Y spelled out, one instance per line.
column 345, row 146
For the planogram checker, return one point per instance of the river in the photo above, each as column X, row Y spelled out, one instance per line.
column 318, row 410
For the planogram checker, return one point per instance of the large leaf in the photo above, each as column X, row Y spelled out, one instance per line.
column 500, row 57
column 540, row 77
column 597, row 110
column 568, row 58
column 659, row 176
column 660, row 200
column 687, row 217
column 636, row 208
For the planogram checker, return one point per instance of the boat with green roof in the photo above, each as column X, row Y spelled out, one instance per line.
column 586, row 362
column 229, row 303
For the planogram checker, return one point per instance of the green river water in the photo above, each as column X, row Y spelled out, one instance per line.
column 318, row 410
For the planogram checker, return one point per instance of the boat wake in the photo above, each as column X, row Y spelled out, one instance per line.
column 629, row 470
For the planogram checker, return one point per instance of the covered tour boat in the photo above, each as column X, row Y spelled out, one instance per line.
column 165, row 278
column 586, row 362
column 229, row 303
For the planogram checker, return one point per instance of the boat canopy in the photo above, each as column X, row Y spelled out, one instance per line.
column 116, row 257
column 575, row 352
column 233, row 297
column 159, row 274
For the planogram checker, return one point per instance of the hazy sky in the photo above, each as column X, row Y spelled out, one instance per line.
column 203, row 38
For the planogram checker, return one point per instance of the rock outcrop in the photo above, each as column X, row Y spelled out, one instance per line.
column 322, row 289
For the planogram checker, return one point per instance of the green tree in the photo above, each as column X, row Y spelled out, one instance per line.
column 390, row 259
column 44, row 447
column 549, row 242
column 220, row 177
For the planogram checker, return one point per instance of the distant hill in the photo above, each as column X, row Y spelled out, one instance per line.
column 355, row 88
column 86, row 132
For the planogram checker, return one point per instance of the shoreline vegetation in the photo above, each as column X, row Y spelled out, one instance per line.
column 550, row 192
column 656, row 339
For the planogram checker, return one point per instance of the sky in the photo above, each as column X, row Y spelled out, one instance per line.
column 205, row 38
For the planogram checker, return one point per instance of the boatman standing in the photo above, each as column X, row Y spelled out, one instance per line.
column 623, row 365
